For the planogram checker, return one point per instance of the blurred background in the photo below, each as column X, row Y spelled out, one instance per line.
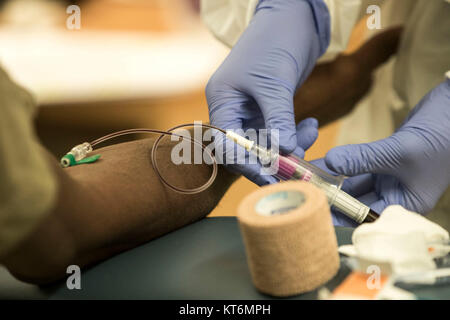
column 133, row 63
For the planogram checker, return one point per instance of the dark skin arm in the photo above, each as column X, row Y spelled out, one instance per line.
column 111, row 206
column 334, row 88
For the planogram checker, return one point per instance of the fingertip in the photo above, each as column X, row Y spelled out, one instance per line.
column 289, row 144
column 334, row 159
column 306, row 137
column 308, row 122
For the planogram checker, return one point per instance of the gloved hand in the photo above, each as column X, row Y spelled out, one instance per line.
column 255, row 85
column 410, row 168
column 361, row 187
column 306, row 134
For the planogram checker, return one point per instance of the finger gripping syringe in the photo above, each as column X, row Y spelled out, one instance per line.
column 294, row 168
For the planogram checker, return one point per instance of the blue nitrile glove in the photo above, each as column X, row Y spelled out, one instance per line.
column 410, row 168
column 255, row 85
column 306, row 134
column 360, row 187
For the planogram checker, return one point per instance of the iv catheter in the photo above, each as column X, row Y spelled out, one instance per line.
column 288, row 168
column 78, row 154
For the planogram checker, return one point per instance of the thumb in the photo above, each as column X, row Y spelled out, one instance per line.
column 378, row 49
column 307, row 133
column 278, row 110
column 377, row 157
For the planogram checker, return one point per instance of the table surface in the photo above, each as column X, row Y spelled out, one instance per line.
column 205, row 260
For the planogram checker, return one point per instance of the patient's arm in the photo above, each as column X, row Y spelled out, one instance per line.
column 113, row 205
column 334, row 88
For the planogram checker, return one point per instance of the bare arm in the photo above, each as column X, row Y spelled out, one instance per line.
column 334, row 88
column 113, row 205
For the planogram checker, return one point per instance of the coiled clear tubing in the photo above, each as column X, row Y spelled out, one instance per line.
column 170, row 132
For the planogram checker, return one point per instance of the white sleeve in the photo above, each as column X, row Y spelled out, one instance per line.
column 227, row 19
column 448, row 72
column 344, row 15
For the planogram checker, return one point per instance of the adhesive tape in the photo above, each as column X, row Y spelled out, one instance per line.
column 289, row 238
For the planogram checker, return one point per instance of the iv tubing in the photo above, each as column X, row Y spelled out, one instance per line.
column 156, row 144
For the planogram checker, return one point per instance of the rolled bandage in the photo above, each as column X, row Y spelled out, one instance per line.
column 289, row 238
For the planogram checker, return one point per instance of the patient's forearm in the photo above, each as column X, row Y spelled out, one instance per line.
column 334, row 88
column 112, row 205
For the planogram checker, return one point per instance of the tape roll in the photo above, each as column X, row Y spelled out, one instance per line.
column 289, row 238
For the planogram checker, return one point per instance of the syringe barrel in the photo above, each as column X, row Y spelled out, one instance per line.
column 350, row 206
column 294, row 168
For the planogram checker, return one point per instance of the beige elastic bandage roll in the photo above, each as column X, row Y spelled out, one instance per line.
column 289, row 238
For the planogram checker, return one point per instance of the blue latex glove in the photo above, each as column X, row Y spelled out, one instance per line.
column 306, row 134
column 255, row 85
column 361, row 187
column 410, row 168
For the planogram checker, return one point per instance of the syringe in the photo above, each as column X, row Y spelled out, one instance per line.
column 294, row 168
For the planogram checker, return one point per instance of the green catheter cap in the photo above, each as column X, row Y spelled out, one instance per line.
column 69, row 160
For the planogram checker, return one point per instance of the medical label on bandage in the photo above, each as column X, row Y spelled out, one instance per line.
column 279, row 203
